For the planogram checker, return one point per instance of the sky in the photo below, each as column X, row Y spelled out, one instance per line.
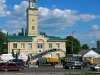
column 79, row 18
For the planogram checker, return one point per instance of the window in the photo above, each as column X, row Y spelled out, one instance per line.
column 33, row 20
column 33, row 27
column 14, row 45
column 22, row 45
column 50, row 45
column 58, row 45
column 40, row 45
column 33, row 4
column 30, row 45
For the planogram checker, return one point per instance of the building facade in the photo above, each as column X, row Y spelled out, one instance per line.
column 33, row 43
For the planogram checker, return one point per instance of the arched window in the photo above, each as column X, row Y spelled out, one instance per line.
column 40, row 43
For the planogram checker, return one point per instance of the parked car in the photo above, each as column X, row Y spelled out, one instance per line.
column 14, row 66
column 17, row 61
column 10, row 66
column 3, row 66
column 73, row 65
column 95, row 67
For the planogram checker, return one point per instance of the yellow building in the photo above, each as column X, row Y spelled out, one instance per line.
column 34, row 43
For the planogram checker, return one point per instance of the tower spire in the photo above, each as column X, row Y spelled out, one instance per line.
column 32, row 18
column 32, row 3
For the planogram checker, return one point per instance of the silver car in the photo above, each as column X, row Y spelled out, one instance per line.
column 95, row 67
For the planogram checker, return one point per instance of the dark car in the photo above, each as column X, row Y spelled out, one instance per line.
column 73, row 65
column 14, row 66
column 6, row 66
column 3, row 66
column 17, row 61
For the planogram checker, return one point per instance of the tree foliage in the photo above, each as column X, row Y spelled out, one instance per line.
column 72, row 45
column 3, row 43
column 85, row 46
column 93, row 48
column 43, row 33
column 21, row 33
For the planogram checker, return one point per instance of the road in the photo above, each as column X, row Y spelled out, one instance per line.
column 53, row 69
column 45, row 70
column 18, row 73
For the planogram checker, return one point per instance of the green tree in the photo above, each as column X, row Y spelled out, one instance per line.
column 85, row 46
column 72, row 45
column 43, row 33
column 93, row 48
column 21, row 33
column 14, row 34
column 3, row 43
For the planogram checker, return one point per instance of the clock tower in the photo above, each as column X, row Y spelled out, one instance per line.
column 32, row 19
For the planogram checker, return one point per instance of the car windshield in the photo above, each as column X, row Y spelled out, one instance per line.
column 17, row 60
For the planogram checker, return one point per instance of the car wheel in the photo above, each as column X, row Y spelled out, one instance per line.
column 20, row 69
column 64, row 67
column 70, row 67
column 97, row 70
column 81, row 67
column 73, row 67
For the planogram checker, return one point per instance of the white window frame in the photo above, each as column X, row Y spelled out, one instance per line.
column 14, row 45
column 30, row 45
column 50, row 45
column 22, row 45
column 58, row 45
column 40, row 45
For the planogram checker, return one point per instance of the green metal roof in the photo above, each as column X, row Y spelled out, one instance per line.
column 19, row 39
column 53, row 38
column 29, row 39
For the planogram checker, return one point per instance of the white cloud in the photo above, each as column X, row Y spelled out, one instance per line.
column 17, row 18
column 93, row 33
column 87, row 17
column 57, row 13
column 14, row 26
column 96, row 31
column 43, row 11
column 95, row 27
column 20, row 9
column 48, row 18
column 63, row 18
column 3, row 8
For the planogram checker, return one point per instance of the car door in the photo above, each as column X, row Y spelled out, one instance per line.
column 3, row 66
column 12, row 66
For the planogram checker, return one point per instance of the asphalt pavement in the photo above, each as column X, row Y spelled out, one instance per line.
column 47, row 70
